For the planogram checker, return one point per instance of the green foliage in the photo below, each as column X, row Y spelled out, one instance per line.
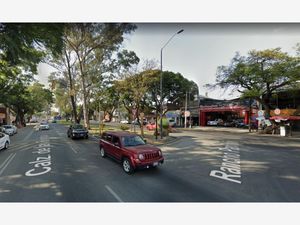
column 261, row 73
column 124, row 127
column 165, row 123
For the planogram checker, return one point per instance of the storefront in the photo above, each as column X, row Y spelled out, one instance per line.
column 225, row 113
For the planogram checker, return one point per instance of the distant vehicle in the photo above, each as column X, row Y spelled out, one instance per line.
column 44, row 126
column 77, row 131
column 4, row 141
column 239, row 123
column 129, row 149
column 228, row 124
column 8, row 129
column 135, row 122
column 212, row 122
column 172, row 122
column 124, row 121
column 33, row 120
column 216, row 122
column 151, row 126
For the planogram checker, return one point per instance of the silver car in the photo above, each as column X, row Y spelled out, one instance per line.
column 4, row 141
column 44, row 126
column 8, row 129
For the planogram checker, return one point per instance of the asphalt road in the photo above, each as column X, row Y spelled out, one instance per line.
column 46, row 166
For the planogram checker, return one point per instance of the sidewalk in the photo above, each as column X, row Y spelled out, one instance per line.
column 295, row 134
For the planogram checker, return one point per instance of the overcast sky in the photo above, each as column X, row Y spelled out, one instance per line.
column 202, row 47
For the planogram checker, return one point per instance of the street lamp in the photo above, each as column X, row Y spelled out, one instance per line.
column 161, row 94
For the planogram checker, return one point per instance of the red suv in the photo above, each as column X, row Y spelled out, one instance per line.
column 130, row 149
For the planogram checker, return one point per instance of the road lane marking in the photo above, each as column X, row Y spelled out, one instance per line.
column 42, row 163
column 230, row 169
column 6, row 160
column 113, row 193
column 73, row 149
column 6, row 163
column 28, row 135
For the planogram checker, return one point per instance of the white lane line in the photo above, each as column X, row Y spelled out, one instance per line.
column 6, row 160
column 113, row 193
column 4, row 167
column 74, row 150
column 28, row 135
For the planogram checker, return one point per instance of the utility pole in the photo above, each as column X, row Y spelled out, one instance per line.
column 185, row 110
column 250, row 110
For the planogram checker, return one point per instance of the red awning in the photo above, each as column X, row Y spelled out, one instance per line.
column 285, row 118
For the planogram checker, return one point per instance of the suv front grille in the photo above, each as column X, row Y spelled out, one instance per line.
column 149, row 156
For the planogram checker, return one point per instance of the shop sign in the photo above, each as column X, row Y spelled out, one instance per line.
column 277, row 111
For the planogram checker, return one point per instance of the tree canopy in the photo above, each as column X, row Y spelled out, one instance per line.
column 260, row 74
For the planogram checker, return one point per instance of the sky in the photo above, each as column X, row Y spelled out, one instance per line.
column 197, row 52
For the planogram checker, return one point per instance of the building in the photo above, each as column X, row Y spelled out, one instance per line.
column 226, row 110
column 6, row 116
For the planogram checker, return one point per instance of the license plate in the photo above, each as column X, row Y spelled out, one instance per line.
column 155, row 164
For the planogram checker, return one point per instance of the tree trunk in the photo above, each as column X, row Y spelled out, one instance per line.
column 74, row 111
column 85, row 105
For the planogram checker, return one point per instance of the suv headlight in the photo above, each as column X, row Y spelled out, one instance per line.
column 159, row 153
column 141, row 157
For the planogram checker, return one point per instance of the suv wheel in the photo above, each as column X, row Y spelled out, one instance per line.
column 102, row 152
column 6, row 145
column 127, row 167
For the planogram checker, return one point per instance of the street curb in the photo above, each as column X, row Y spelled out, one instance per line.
column 173, row 139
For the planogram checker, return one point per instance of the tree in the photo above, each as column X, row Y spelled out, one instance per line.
column 141, row 90
column 40, row 99
column 22, row 47
column 94, row 42
column 259, row 75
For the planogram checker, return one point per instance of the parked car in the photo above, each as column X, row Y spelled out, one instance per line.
column 216, row 122
column 4, row 141
column 171, row 122
column 77, row 131
column 228, row 124
column 124, row 121
column 130, row 150
column 151, row 126
column 212, row 123
column 8, row 129
column 44, row 126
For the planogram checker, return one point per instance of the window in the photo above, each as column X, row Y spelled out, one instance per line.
column 1, row 135
column 132, row 141
column 116, row 141
column 109, row 138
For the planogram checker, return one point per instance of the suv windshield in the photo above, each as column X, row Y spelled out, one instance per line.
column 132, row 141
column 78, row 126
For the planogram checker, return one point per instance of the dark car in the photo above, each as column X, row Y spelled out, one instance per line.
column 130, row 150
column 77, row 131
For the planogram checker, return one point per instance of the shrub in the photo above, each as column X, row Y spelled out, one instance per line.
column 124, row 127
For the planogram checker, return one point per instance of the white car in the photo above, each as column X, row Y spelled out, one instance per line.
column 44, row 126
column 212, row 122
column 4, row 141
column 8, row 129
column 124, row 121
